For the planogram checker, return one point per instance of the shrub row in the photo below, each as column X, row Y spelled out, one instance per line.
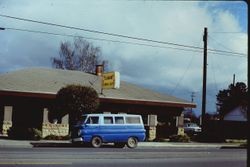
column 22, row 133
column 179, row 138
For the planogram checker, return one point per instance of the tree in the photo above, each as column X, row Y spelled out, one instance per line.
column 75, row 100
column 80, row 56
column 234, row 96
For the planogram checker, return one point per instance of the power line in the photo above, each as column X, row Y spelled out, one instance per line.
column 99, row 32
column 222, row 51
column 183, row 75
column 118, row 41
column 231, row 52
column 100, row 39
column 219, row 43
column 226, row 32
column 226, row 54
column 116, row 35
column 213, row 73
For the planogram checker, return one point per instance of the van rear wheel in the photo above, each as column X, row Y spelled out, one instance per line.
column 96, row 142
column 132, row 142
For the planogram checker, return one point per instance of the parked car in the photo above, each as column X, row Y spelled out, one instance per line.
column 191, row 128
column 120, row 129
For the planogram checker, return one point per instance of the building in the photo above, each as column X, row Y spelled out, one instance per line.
column 237, row 114
column 26, row 95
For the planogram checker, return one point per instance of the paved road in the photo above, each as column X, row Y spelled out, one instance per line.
column 139, row 157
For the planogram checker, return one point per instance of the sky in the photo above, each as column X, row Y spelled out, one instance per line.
column 168, row 69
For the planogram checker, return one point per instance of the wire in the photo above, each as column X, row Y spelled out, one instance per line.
column 178, row 83
column 99, row 32
column 227, row 54
column 213, row 73
column 219, row 43
column 117, row 35
column 221, row 32
column 101, row 39
column 187, row 68
column 125, row 42
column 232, row 52
column 222, row 51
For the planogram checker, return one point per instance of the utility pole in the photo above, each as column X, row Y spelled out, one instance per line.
column 204, row 80
column 233, row 79
column 192, row 99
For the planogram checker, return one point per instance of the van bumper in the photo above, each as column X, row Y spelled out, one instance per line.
column 79, row 139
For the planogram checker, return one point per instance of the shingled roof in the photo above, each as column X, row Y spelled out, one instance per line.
column 43, row 82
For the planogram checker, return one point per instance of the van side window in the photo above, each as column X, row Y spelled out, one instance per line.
column 133, row 120
column 93, row 120
column 119, row 120
column 108, row 120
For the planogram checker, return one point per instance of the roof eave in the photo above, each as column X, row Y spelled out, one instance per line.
column 148, row 102
column 47, row 95
column 51, row 95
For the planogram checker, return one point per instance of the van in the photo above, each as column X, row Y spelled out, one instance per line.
column 120, row 129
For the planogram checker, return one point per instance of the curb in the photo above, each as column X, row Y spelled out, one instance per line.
column 233, row 147
column 59, row 143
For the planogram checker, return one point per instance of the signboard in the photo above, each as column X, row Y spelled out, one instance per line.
column 111, row 80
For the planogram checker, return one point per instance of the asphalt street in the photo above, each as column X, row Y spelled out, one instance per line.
column 110, row 156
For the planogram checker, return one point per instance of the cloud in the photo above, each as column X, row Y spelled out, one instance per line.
column 164, row 69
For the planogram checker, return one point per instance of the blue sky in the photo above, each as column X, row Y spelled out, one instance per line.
column 237, row 8
column 165, row 68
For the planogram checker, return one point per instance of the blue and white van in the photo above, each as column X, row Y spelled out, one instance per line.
column 120, row 129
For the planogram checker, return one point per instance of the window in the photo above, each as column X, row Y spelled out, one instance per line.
column 133, row 120
column 93, row 120
column 108, row 120
column 119, row 120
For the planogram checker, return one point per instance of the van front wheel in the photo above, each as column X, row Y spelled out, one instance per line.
column 132, row 142
column 96, row 142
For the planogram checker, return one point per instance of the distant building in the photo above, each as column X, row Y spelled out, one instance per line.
column 26, row 95
column 237, row 114
column 232, row 126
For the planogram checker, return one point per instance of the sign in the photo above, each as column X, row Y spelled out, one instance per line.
column 111, row 80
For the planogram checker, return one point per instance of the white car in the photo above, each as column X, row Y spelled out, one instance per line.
column 191, row 128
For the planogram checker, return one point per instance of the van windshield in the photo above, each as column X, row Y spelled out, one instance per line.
column 92, row 120
column 83, row 118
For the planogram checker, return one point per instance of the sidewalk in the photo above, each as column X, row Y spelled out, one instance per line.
column 65, row 143
column 189, row 145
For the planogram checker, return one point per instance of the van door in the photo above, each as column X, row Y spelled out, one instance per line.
column 121, row 129
column 107, row 129
column 113, row 129
column 91, row 127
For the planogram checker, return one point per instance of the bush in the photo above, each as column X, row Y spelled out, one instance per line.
column 179, row 138
column 210, row 138
column 24, row 133
column 75, row 100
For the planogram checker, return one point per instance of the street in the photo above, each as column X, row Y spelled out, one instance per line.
column 109, row 156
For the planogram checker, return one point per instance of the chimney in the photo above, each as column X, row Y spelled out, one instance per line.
column 99, row 70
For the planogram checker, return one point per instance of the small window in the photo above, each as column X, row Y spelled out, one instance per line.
column 119, row 120
column 93, row 120
column 133, row 120
column 108, row 120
